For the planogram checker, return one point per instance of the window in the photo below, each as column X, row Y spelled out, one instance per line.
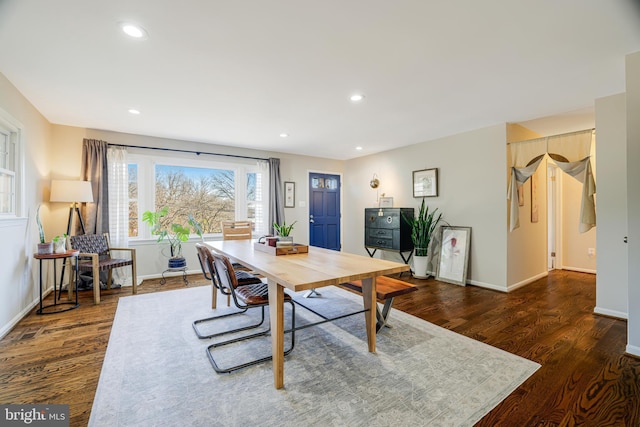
column 210, row 191
column 10, row 167
column 133, row 200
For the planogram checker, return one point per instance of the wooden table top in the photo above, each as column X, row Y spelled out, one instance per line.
column 299, row 272
column 55, row 256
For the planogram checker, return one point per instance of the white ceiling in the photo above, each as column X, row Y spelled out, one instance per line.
column 240, row 72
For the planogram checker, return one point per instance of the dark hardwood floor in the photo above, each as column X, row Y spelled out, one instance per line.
column 585, row 378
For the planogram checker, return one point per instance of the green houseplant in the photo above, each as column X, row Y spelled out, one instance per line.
column 175, row 233
column 44, row 247
column 284, row 230
column 284, row 233
column 422, row 228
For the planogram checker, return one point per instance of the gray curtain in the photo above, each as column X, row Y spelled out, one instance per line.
column 276, row 195
column 94, row 169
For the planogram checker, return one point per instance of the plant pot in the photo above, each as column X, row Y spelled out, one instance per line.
column 177, row 262
column 285, row 241
column 60, row 246
column 420, row 265
column 45, row 248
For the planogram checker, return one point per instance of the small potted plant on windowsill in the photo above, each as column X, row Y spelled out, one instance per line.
column 284, row 232
column 175, row 233
column 44, row 247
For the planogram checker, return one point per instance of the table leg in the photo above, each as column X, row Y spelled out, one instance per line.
column 40, row 311
column 369, row 299
column 276, row 313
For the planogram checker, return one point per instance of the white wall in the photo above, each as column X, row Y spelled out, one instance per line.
column 18, row 271
column 472, row 188
column 527, row 244
column 633, row 199
column 611, row 206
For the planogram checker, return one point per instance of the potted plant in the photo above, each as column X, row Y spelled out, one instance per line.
column 43, row 247
column 284, row 232
column 175, row 233
column 422, row 228
column 60, row 244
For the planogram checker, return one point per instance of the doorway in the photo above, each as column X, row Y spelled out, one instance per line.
column 324, row 210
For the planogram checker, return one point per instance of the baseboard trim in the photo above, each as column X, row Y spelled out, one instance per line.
column 611, row 313
column 487, row 285
column 18, row 317
column 579, row 270
column 633, row 350
column 525, row 282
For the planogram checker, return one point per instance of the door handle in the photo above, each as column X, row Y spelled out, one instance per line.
column 311, row 221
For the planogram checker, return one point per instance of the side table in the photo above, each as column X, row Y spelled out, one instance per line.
column 68, row 255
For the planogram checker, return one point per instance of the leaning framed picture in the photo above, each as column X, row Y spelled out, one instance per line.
column 385, row 202
column 454, row 255
column 425, row 183
column 289, row 194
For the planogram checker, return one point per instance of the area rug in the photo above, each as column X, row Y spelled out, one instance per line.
column 156, row 372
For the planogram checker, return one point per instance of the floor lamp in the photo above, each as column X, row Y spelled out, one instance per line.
column 73, row 192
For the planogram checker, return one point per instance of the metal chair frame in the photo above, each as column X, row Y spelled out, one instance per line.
column 223, row 277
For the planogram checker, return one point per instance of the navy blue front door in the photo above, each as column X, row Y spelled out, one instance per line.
column 324, row 211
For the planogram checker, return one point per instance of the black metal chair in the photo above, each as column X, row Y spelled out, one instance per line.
column 243, row 277
column 244, row 297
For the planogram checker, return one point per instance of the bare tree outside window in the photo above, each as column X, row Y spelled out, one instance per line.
column 207, row 194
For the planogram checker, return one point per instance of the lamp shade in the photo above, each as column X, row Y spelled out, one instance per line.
column 71, row 191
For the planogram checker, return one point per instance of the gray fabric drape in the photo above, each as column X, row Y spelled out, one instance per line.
column 276, row 195
column 94, row 169
column 575, row 148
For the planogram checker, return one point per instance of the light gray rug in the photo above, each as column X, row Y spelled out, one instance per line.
column 156, row 372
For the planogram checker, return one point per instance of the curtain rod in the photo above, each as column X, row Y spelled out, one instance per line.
column 188, row 151
column 553, row 136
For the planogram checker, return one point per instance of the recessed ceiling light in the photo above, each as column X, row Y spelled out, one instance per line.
column 284, row 135
column 135, row 31
column 357, row 97
column 134, row 111
column 359, row 148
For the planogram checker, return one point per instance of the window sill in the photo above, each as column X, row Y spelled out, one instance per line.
column 12, row 221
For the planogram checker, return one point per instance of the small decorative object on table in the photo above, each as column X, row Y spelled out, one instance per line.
column 44, row 248
column 284, row 232
column 60, row 244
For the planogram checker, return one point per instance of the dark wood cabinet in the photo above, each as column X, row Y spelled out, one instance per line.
column 385, row 229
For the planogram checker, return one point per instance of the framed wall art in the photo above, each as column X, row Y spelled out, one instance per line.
column 454, row 255
column 385, row 202
column 425, row 183
column 289, row 194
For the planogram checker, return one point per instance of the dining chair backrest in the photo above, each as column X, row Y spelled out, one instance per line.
column 236, row 230
column 91, row 243
column 202, row 251
column 223, row 269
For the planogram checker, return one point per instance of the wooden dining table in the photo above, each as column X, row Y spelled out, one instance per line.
column 302, row 272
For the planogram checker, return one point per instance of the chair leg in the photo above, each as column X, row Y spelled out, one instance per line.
column 96, row 279
column 134, row 273
column 220, row 370
column 208, row 319
column 109, row 278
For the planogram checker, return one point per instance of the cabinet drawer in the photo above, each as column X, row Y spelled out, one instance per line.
column 383, row 233
column 378, row 242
